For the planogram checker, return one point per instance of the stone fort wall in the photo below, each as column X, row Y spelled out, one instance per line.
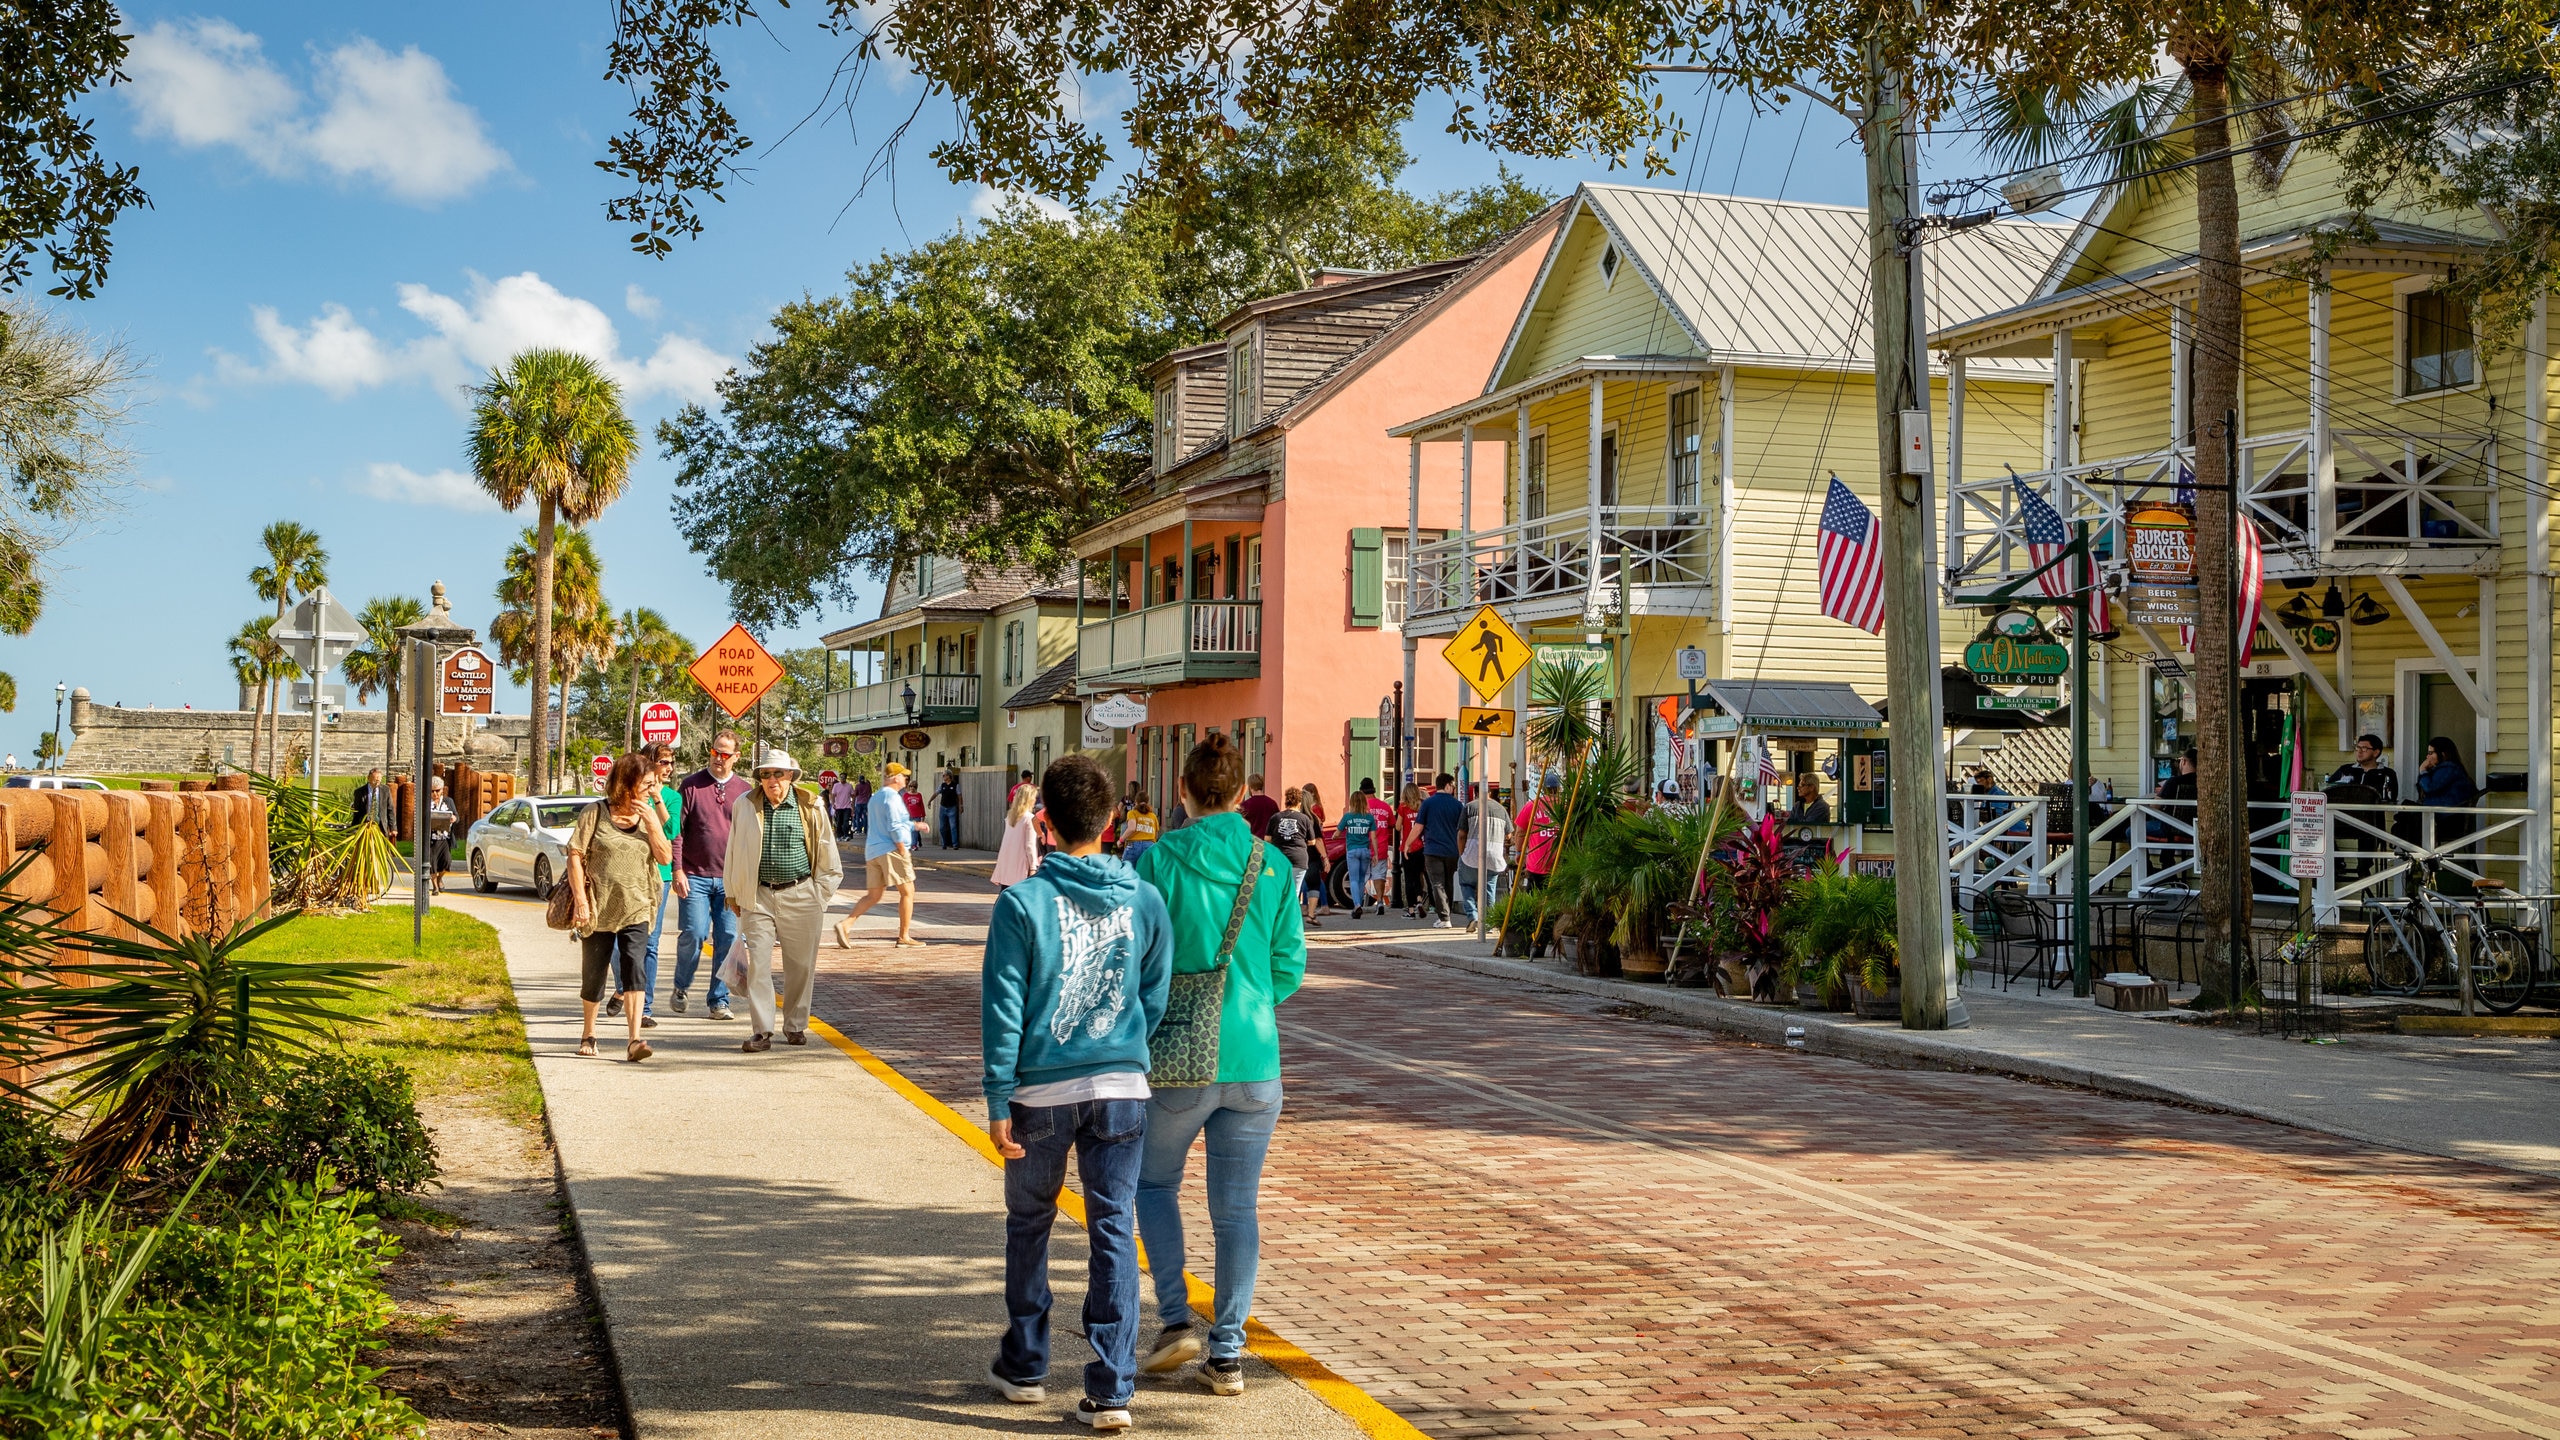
column 112, row 740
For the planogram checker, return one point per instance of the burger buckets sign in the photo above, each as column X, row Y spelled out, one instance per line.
column 2160, row 565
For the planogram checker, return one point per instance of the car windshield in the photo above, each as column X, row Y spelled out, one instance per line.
column 563, row 815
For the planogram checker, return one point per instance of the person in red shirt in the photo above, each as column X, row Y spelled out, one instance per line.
column 1537, row 830
column 1257, row 808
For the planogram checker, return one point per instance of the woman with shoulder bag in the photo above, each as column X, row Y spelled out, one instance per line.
column 614, row 855
column 1239, row 949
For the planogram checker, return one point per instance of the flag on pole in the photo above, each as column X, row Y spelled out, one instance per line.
column 2251, row 578
column 1852, row 561
column 2046, row 539
column 1769, row 774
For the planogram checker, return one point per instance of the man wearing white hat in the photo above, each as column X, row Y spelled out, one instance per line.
column 780, row 871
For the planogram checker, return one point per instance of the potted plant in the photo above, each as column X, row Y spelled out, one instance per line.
column 1840, row 928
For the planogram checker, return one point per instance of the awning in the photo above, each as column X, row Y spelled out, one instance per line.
column 1785, row 706
column 1961, row 700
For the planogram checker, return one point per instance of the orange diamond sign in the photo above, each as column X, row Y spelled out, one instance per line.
column 736, row 671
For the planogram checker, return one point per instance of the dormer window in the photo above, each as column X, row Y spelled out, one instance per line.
column 1168, row 427
column 1608, row 265
column 1244, row 392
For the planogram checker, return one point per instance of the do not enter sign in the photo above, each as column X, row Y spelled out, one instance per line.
column 659, row 722
column 602, row 765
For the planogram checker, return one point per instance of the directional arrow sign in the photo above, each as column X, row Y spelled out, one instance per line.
column 1486, row 652
column 1473, row 721
column 736, row 671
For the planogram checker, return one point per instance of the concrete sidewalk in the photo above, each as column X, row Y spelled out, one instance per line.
column 2388, row 1096
column 783, row 1245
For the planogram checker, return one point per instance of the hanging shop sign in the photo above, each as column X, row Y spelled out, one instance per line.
column 2014, row 649
column 2032, row 704
column 913, row 740
column 2160, row 604
column 866, row 744
column 2162, row 548
column 1118, row 711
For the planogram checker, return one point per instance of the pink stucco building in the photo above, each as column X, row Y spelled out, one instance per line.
column 1256, row 583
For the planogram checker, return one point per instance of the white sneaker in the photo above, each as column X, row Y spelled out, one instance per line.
column 1099, row 1417
column 675, row 1002
column 1031, row 1394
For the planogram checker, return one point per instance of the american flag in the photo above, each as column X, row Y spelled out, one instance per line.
column 2046, row 539
column 2252, row 582
column 1852, row 561
column 1769, row 773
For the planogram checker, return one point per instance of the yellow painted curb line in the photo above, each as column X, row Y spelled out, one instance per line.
column 1354, row 1403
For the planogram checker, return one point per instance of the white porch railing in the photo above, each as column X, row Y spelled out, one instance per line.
column 2314, row 494
column 1163, row 634
column 1551, row 557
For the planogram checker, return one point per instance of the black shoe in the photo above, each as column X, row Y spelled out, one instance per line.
column 1223, row 1377
column 613, row 1006
column 648, row 1021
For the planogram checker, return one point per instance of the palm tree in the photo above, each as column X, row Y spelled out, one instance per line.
column 548, row 426
column 259, row 659
column 296, row 565
column 582, row 640
column 651, row 646
column 375, row 665
column 577, row 607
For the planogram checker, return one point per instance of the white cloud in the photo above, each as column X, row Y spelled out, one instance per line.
column 990, row 202
column 468, row 335
column 640, row 302
column 450, row 489
column 388, row 119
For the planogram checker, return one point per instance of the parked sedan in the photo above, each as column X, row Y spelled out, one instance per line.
column 53, row 782
column 524, row 842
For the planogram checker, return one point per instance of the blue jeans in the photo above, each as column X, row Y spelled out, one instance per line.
column 1239, row 1116
column 949, row 823
column 701, row 916
column 1107, row 1136
column 1355, row 874
column 649, row 963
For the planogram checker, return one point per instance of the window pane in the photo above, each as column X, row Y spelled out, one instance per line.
column 1684, row 448
column 2440, row 344
column 1533, row 483
column 1398, row 569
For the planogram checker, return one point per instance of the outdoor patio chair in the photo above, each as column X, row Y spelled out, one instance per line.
column 2013, row 934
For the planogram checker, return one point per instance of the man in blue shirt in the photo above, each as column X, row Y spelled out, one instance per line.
column 888, row 858
column 1442, row 817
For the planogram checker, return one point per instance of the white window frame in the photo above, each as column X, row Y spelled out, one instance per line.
column 1601, row 262
column 1671, row 456
column 2401, row 290
column 1537, row 442
column 1252, row 587
column 1168, row 423
column 1395, row 575
column 1244, row 380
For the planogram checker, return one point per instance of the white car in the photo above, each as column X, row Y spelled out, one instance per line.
column 524, row 842
column 53, row 782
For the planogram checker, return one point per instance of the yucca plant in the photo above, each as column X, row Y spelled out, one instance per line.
column 317, row 856
column 156, row 1031
column 81, row 1297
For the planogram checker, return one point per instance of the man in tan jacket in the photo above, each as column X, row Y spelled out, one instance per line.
column 780, row 871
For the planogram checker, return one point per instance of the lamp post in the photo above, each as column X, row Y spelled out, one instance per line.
column 60, row 689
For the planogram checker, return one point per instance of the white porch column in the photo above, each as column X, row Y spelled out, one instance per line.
column 2324, row 462
column 2346, row 684
column 1520, row 505
column 1591, row 498
column 1467, row 507
column 2179, row 331
column 2537, row 598
column 1941, row 558
column 2058, row 444
column 1727, row 504
column 2488, row 728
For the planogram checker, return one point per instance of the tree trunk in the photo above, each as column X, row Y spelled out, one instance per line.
column 542, row 568
column 257, row 717
column 560, row 757
column 2217, row 396
column 631, row 716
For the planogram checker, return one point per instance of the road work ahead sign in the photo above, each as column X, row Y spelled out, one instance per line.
column 736, row 671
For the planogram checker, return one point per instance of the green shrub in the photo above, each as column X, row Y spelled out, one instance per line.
column 254, row 1329
column 354, row 1114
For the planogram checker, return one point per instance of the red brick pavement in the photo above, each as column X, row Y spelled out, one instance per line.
column 1511, row 1211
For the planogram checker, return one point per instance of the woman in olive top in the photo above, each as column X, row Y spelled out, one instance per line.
column 1198, row 870
column 614, row 855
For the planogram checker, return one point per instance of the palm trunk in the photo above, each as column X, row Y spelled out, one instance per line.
column 631, row 715
column 542, row 579
column 2217, row 396
column 560, row 757
column 257, row 716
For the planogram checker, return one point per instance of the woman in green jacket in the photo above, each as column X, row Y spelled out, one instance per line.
column 1198, row 869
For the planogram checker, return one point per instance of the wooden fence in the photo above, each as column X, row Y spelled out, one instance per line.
column 183, row 863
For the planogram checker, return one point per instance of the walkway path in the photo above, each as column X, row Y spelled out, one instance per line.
column 1515, row 1209
column 785, row 1245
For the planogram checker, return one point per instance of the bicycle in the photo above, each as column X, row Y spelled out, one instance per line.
column 2409, row 943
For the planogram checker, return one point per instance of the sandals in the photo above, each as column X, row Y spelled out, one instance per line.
column 638, row 1052
column 587, row 1045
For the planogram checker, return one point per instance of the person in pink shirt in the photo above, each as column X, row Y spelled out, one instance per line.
column 1537, row 826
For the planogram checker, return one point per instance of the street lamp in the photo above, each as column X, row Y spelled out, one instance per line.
column 909, row 694
column 59, row 690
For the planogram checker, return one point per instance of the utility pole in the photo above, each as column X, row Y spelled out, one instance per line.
column 1886, row 133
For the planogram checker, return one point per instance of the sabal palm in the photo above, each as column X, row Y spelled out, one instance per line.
column 375, row 665
column 548, row 428
column 259, row 658
column 650, row 647
column 297, row 564
column 577, row 607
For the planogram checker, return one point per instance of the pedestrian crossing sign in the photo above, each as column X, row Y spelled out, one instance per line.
column 1486, row 652
column 1472, row 721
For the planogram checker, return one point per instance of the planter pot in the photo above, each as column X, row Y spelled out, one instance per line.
column 1885, row 1004
column 1647, row 966
column 1737, row 975
column 1811, row 997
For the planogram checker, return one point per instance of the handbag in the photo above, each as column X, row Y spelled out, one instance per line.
column 562, row 911
column 1183, row 1052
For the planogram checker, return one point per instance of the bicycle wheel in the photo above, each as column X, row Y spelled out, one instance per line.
column 2502, row 969
column 2391, row 957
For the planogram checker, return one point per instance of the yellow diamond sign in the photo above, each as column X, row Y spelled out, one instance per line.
column 1486, row 652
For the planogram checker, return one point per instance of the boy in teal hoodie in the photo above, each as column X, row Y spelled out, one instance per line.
column 1079, row 959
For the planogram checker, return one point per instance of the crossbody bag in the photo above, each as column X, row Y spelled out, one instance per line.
column 1183, row 1052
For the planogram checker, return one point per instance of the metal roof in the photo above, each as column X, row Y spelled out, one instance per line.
column 1793, row 704
column 1783, row 280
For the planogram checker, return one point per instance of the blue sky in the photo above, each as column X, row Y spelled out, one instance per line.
column 357, row 209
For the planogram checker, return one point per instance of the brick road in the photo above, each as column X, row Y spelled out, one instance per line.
column 1505, row 1210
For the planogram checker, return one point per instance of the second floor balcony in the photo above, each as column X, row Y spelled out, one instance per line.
column 1187, row 642
column 1543, row 567
column 901, row 701
column 2329, row 500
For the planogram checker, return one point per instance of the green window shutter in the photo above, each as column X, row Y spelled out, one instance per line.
column 1362, row 748
column 1368, row 580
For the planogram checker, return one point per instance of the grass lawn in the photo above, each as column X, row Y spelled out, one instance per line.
column 476, row 1044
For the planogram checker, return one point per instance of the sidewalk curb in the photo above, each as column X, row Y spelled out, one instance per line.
column 1872, row 1044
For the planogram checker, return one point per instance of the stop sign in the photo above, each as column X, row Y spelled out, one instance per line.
column 602, row 765
column 826, row 777
column 659, row 722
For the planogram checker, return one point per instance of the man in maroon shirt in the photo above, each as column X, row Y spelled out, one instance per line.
column 702, row 851
column 1258, row 808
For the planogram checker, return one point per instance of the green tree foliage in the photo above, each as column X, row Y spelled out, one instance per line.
column 57, row 193
column 582, row 624
column 376, row 664
column 297, row 564
column 650, row 652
